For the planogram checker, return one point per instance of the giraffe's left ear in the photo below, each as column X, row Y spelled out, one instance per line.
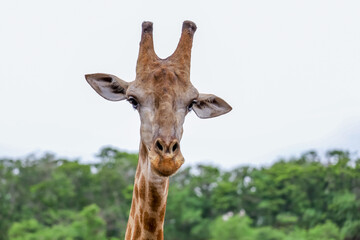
column 209, row 106
column 108, row 86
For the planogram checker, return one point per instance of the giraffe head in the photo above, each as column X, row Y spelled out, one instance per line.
column 163, row 95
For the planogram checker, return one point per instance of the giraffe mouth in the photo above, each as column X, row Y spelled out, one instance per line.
column 165, row 166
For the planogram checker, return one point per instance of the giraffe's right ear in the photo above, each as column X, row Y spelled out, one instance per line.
column 108, row 86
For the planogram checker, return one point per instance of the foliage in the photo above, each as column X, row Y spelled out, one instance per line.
column 87, row 225
column 304, row 198
column 233, row 228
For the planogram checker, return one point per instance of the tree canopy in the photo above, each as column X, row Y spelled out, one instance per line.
column 303, row 198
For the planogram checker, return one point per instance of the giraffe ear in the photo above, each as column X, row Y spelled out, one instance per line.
column 209, row 106
column 108, row 86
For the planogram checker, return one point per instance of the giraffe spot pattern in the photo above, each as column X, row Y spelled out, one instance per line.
column 128, row 233
column 138, row 171
column 141, row 215
column 137, row 228
column 136, row 192
column 160, row 235
column 162, row 213
column 149, row 223
column 133, row 206
column 154, row 197
column 142, row 187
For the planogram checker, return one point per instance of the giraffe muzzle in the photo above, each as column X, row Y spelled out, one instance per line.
column 166, row 157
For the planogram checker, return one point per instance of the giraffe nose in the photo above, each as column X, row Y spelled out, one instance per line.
column 165, row 149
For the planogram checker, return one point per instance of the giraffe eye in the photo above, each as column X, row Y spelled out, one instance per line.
column 133, row 102
column 190, row 107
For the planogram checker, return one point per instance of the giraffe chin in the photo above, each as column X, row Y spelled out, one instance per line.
column 166, row 167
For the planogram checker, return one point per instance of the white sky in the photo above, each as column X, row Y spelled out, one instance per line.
column 290, row 70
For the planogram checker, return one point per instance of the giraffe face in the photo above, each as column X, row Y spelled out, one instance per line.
column 163, row 95
column 163, row 99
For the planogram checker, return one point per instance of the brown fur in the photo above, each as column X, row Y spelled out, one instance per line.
column 128, row 233
column 160, row 235
column 142, row 215
column 142, row 188
column 136, row 191
column 154, row 197
column 162, row 213
column 132, row 211
column 137, row 228
column 150, row 223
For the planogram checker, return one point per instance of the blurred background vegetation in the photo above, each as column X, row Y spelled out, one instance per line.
column 304, row 198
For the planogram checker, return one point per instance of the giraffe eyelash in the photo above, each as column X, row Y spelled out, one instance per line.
column 133, row 102
column 190, row 106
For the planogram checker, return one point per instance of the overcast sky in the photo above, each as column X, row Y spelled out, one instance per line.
column 289, row 69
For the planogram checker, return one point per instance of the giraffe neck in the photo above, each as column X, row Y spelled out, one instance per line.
column 147, row 214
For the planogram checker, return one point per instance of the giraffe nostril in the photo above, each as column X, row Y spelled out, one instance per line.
column 159, row 146
column 175, row 147
column 170, row 149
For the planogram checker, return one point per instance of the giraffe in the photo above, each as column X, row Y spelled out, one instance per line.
column 163, row 95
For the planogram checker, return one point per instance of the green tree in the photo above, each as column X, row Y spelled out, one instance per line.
column 233, row 228
column 351, row 230
column 326, row 231
column 87, row 225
